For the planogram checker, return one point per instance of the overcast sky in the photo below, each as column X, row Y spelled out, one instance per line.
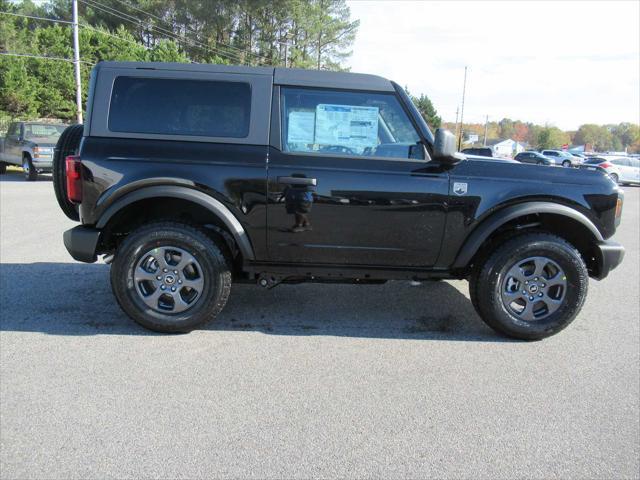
column 563, row 63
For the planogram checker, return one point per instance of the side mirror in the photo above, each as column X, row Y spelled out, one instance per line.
column 444, row 147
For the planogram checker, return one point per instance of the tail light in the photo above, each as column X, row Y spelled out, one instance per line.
column 74, row 179
column 605, row 165
column 619, row 208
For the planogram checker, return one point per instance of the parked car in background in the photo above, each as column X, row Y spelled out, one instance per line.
column 562, row 157
column 623, row 170
column 478, row 151
column 579, row 155
column 30, row 145
column 533, row 157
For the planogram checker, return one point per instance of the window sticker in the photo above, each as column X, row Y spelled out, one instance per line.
column 300, row 128
column 346, row 125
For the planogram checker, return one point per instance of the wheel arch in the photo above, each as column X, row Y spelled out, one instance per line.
column 185, row 197
column 562, row 220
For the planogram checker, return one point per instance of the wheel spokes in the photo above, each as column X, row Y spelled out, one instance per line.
column 534, row 288
column 168, row 279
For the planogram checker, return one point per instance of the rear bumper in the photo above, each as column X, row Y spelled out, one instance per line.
column 81, row 243
column 608, row 255
column 42, row 165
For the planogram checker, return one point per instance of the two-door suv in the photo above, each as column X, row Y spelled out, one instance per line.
column 191, row 177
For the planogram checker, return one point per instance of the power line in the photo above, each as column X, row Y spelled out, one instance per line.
column 83, row 25
column 44, row 57
column 137, row 21
column 249, row 52
column 104, row 32
column 36, row 18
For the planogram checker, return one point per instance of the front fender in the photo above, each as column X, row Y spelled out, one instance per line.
column 475, row 240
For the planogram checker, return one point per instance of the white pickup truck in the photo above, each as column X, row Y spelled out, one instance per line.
column 30, row 145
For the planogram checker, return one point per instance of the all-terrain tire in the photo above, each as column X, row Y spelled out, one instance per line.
column 211, row 260
column 68, row 144
column 489, row 285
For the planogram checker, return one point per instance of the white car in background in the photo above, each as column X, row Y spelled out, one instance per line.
column 621, row 169
column 562, row 158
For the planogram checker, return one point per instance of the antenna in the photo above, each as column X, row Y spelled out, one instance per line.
column 464, row 88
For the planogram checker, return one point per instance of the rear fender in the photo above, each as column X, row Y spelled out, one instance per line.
column 214, row 206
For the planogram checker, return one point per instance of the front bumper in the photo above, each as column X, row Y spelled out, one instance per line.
column 81, row 243
column 608, row 256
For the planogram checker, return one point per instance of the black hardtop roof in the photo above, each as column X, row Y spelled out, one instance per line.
column 281, row 76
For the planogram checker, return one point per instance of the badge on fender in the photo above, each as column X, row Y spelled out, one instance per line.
column 459, row 188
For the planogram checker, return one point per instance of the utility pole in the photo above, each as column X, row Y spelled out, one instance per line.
column 456, row 128
column 464, row 88
column 486, row 122
column 76, row 61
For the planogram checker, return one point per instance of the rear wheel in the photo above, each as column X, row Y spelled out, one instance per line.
column 614, row 177
column 3, row 168
column 170, row 277
column 30, row 173
column 566, row 164
column 68, row 144
column 532, row 287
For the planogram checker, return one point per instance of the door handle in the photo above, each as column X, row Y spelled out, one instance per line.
column 310, row 182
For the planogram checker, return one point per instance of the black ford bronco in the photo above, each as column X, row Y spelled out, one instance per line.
column 191, row 177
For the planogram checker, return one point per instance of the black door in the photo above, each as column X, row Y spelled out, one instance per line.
column 351, row 184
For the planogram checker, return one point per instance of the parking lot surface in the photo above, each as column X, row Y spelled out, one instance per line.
column 304, row 381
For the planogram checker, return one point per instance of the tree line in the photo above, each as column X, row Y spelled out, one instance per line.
column 611, row 137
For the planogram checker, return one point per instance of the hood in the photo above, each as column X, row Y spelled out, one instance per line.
column 490, row 159
column 516, row 172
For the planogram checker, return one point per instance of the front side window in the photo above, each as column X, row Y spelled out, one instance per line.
column 347, row 123
column 180, row 107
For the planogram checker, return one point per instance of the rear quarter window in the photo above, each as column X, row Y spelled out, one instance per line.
column 203, row 108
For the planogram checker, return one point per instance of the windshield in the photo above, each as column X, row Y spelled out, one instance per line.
column 42, row 131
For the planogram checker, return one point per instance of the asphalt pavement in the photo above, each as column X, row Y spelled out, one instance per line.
column 306, row 381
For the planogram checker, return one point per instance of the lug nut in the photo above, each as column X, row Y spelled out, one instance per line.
column 536, row 279
column 531, row 298
column 526, row 282
column 543, row 285
column 165, row 270
column 159, row 277
column 175, row 272
column 180, row 282
column 173, row 289
column 162, row 287
column 540, row 294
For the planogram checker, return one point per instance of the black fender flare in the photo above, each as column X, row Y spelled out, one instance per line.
column 475, row 240
column 185, row 193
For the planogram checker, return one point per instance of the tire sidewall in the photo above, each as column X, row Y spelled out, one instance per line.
column 576, row 291
column 214, row 272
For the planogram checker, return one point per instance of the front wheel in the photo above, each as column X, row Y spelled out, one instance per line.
column 614, row 177
column 532, row 287
column 30, row 173
column 566, row 164
column 170, row 277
